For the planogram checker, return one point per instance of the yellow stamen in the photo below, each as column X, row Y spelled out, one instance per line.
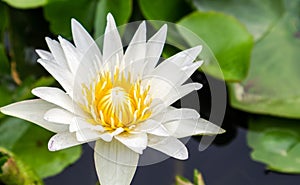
column 116, row 101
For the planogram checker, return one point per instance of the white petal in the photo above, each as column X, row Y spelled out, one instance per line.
column 44, row 54
column 57, row 97
column 62, row 140
column 57, row 53
column 189, row 70
column 136, row 51
column 58, row 115
column 61, row 74
column 33, row 111
column 72, row 55
column 112, row 46
column 82, row 39
column 185, row 128
column 177, row 114
column 185, row 57
column 180, row 92
column 115, row 163
column 87, row 135
column 108, row 136
column 86, row 74
column 154, row 49
column 136, row 142
column 152, row 127
column 168, row 145
column 79, row 123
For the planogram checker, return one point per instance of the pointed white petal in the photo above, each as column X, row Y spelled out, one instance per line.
column 82, row 39
column 112, row 46
column 62, row 140
column 79, row 123
column 152, row 127
column 72, row 55
column 154, row 49
column 33, row 111
column 61, row 74
column 189, row 70
column 57, row 53
column 176, row 114
column 180, row 92
column 58, row 115
column 168, row 145
column 136, row 51
column 44, row 54
column 136, row 142
column 57, row 97
column 115, row 163
column 185, row 128
column 185, row 57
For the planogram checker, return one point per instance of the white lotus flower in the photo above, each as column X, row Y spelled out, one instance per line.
column 121, row 101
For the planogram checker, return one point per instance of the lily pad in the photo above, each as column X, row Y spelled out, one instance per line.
column 24, row 4
column 275, row 142
column 120, row 9
column 272, row 86
column 22, row 138
column 167, row 10
column 228, row 39
column 59, row 14
column 258, row 16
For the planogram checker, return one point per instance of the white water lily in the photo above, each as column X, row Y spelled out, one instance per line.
column 120, row 100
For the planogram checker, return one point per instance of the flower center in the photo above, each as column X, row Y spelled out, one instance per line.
column 117, row 102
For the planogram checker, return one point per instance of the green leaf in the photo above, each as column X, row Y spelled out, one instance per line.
column 257, row 15
column 59, row 14
column 23, row 138
column 120, row 9
column 8, row 134
column 275, row 142
column 14, row 172
column 167, row 10
column 44, row 162
column 24, row 4
column 228, row 39
column 24, row 91
column 272, row 86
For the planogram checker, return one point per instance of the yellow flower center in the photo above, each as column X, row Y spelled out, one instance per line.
column 115, row 101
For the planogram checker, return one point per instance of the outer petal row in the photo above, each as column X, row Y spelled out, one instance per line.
column 34, row 111
column 115, row 163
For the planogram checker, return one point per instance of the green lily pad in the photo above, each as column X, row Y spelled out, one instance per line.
column 24, row 4
column 22, row 138
column 59, row 14
column 258, row 16
column 167, row 10
column 120, row 9
column 272, row 86
column 228, row 39
column 275, row 142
